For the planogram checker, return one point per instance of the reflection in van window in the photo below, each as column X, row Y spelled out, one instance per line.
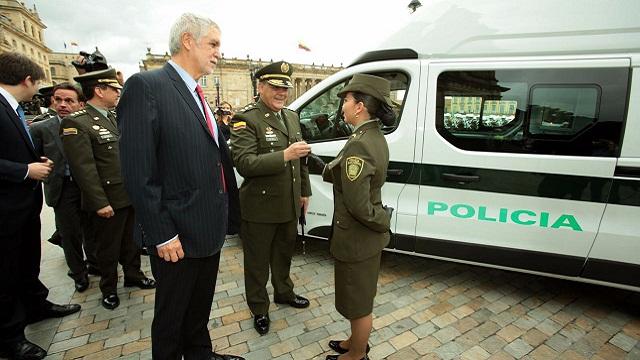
column 321, row 118
column 539, row 111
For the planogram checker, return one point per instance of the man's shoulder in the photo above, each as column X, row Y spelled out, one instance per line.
column 78, row 117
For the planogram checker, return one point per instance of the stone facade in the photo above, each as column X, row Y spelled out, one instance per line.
column 21, row 30
column 231, row 80
column 61, row 68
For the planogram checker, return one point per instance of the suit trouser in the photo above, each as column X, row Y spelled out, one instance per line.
column 184, row 293
column 75, row 230
column 22, row 294
column 267, row 246
column 114, row 243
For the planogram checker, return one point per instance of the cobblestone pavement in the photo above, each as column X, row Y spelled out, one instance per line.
column 425, row 309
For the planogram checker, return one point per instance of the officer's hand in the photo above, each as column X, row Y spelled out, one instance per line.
column 296, row 151
column 106, row 212
column 171, row 251
column 304, row 204
column 39, row 170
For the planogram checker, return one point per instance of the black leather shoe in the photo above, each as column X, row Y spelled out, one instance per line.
column 52, row 310
column 298, row 302
column 216, row 356
column 261, row 323
column 23, row 350
column 110, row 301
column 82, row 283
column 335, row 357
column 335, row 346
column 144, row 283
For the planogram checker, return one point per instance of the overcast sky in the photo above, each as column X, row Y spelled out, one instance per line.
column 336, row 31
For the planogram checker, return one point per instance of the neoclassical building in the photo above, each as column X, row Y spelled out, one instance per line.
column 61, row 68
column 231, row 80
column 21, row 30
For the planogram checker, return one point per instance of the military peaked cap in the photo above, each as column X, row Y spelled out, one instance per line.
column 100, row 77
column 277, row 74
column 375, row 86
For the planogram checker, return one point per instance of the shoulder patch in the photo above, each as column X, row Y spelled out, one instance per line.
column 239, row 125
column 354, row 167
column 69, row 131
column 249, row 107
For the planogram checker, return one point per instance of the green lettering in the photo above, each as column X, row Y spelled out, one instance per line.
column 544, row 219
column 470, row 211
column 434, row 206
column 503, row 215
column 515, row 217
column 482, row 214
column 568, row 221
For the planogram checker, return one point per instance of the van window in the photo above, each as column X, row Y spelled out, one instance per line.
column 541, row 111
column 321, row 118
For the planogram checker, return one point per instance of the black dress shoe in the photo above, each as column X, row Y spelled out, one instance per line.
column 23, row 350
column 52, row 310
column 144, row 283
column 335, row 357
column 261, row 323
column 110, row 301
column 335, row 346
column 216, row 356
column 82, row 283
column 298, row 302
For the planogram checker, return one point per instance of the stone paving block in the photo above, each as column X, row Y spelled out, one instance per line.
column 63, row 335
column 70, row 324
column 510, row 333
column 447, row 334
column 106, row 333
column 122, row 339
column 558, row 343
column 518, row 348
column 68, row 344
column 493, row 344
column 571, row 355
column 403, row 340
column 549, row 327
column 284, row 347
column 610, row 352
column 381, row 351
column 501, row 355
column 84, row 350
column 488, row 328
column 624, row 341
column 406, row 353
column 444, row 320
column 136, row 346
column 504, row 318
column 475, row 353
column 449, row 350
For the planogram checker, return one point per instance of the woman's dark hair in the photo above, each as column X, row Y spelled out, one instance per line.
column 374, row 106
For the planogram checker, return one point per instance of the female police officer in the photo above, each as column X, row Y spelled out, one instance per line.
column 360, row 221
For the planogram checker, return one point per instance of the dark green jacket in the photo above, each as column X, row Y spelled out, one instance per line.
column 360, row 223
column 90, row 143
column 271, row 190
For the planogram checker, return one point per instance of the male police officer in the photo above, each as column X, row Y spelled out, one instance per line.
column 90, row 139
column 267, row 145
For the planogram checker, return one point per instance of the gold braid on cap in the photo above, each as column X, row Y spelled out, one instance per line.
column 275, row 76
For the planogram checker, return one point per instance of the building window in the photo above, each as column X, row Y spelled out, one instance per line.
column 24, row 25
column 15, row 44
column 203, row 81
column 53, row 71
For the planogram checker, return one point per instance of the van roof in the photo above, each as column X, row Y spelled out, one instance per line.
column 472, row 28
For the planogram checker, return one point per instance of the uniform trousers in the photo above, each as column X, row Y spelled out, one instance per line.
column 184, row 293
column 75, row 230
column 114, row 243
column 22, row 294
column 267, row 245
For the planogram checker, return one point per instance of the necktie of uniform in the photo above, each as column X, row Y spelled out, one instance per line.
column 213, row 130
column 24, row 122
column 279, row 117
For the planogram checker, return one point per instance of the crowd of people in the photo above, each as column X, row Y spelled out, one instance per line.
column 148, row 167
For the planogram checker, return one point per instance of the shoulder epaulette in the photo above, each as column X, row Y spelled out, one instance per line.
column 78, row 113
column 249, row 107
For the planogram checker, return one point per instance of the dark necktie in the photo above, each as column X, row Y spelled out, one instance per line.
column 212, row 130
column 24, row 122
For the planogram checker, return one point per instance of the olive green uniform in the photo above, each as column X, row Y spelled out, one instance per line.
column 269, row 199
column 360, row 222
column 90, row 141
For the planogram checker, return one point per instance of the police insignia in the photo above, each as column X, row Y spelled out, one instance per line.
column 354, row 167
column 69, row 131
column 284, row 67
column 239, row 125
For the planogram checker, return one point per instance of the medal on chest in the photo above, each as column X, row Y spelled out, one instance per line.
column 269, row 135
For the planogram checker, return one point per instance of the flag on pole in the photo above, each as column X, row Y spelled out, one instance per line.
column 303, row 46
column 74, row 43
column 65, row 45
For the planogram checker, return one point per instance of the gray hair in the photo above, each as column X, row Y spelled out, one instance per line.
column 188, row 23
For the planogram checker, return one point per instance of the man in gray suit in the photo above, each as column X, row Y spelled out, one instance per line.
column 60, row 190
column 179, row 175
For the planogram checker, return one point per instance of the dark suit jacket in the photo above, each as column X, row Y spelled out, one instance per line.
column 171, row 166
column 46, row 138
column 16, row 152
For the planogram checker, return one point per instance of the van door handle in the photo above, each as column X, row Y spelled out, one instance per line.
column 462, row 179
column 394, row 172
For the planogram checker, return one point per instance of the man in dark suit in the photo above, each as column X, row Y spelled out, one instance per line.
column 61, row 191
column 177, row 170
column 23, row 298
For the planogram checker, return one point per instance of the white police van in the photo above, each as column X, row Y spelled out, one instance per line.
column 517, row 143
